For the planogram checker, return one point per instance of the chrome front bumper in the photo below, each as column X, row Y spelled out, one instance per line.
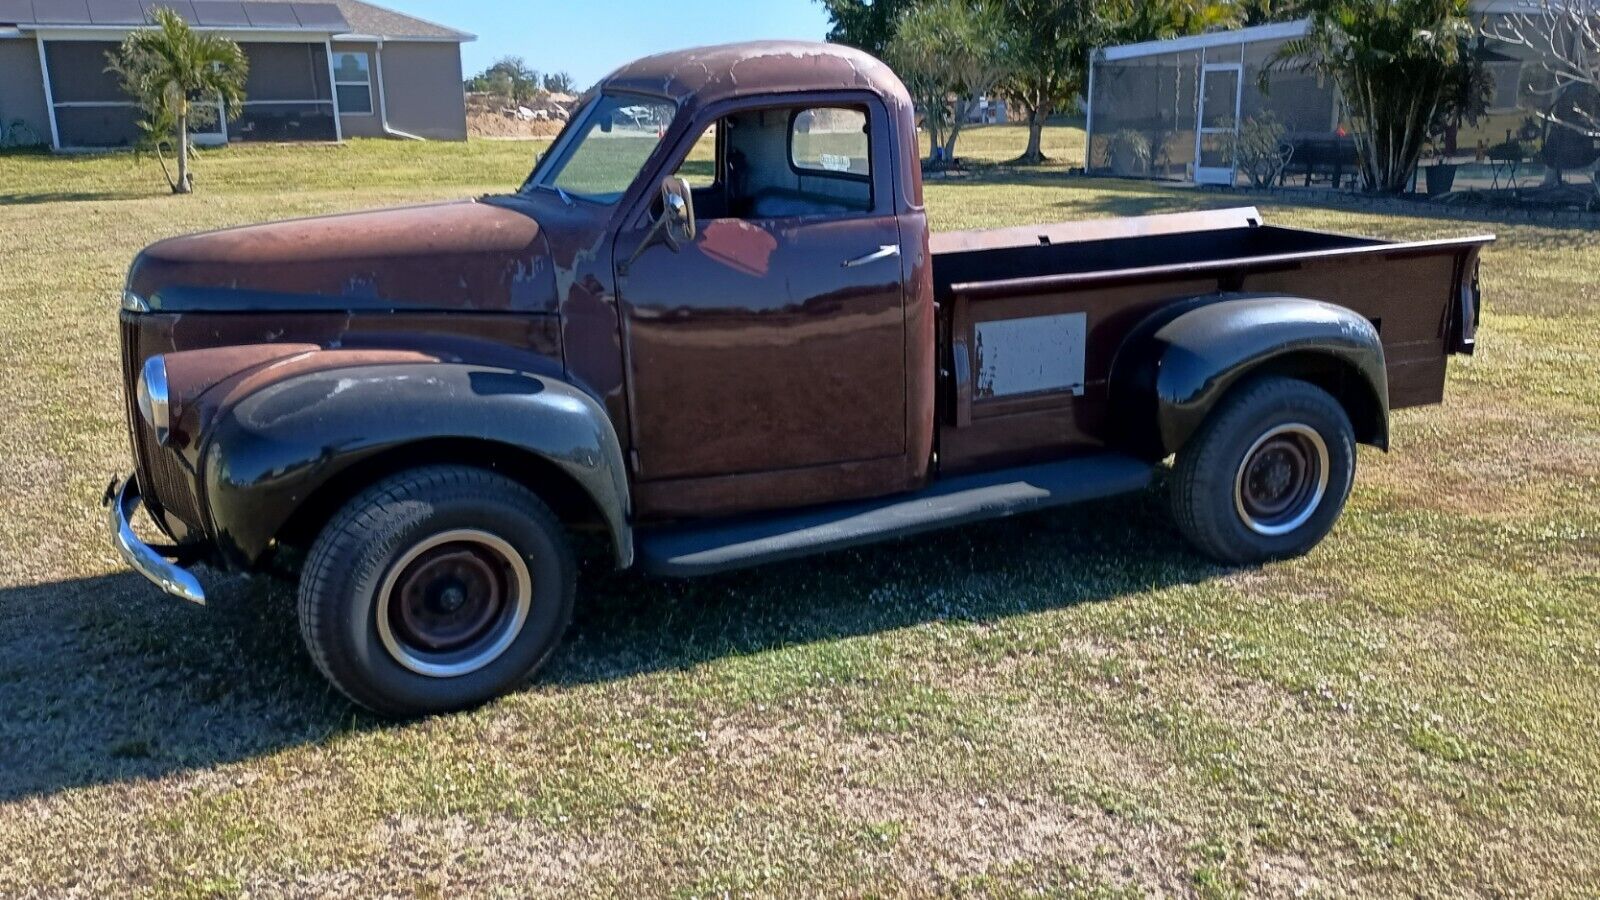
column 144, row 559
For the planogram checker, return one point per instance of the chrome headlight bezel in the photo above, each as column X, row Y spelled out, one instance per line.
column 155, row 403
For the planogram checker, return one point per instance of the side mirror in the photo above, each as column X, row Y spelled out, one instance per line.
column 675, row 226
column 677, row 210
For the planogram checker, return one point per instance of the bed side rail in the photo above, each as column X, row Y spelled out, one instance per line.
column 1093, row 230
column 1044, row 284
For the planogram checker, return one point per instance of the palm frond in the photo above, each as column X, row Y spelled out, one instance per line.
column 1397, row 63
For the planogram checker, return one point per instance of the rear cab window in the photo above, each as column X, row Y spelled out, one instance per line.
column 830, row 140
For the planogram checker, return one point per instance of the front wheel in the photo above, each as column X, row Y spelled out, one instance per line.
column 1268, row 473
column 435, row 590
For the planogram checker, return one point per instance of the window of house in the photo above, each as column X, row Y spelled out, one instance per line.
column 830, row 141
column 352, row 81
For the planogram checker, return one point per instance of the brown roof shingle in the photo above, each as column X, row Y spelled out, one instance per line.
column 361, row 17
column 367, row 18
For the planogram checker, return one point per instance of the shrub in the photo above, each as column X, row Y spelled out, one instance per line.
column 1129, row 153
column 1262, row 154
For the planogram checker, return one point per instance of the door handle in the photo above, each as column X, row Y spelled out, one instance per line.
column 885, row 252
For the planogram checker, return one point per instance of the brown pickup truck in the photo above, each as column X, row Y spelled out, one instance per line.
column 720, row 363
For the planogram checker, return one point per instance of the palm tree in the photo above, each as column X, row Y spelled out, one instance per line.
column 1395, row 63
column 176, row 75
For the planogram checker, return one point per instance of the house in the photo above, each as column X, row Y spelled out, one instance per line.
column 1178, row 109
column 986, row 110
column 319, row 71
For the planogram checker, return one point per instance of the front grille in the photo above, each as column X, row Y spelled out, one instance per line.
column 166, row 483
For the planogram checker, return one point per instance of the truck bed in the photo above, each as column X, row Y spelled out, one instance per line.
column 1031, row 317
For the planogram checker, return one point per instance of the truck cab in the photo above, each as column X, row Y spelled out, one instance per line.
column 779, row 350
column 713, row 328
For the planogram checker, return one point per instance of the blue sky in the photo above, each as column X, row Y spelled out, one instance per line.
column 591, row 37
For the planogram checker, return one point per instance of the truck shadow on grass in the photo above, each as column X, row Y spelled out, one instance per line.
column 102, row 680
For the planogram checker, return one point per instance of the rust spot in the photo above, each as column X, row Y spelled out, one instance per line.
column 740, row 245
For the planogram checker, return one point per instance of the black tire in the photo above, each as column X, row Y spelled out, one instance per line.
column 459, row 533
column 1268, row 432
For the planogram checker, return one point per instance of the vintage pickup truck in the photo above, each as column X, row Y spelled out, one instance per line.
column 421, row 405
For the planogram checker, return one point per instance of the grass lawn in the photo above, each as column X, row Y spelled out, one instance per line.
column 1071, row 702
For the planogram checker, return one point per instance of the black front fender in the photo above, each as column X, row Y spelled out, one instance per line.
column 1179, row 365
column 267, row 453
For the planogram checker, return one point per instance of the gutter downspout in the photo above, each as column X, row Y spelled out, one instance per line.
column 383, row 105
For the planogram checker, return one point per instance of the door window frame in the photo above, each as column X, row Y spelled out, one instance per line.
column 885, row 190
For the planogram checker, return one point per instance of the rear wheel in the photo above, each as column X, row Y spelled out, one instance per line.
column 435, row 590
column 1268, row 473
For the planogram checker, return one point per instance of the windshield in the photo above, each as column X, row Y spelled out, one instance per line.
column 608, row 147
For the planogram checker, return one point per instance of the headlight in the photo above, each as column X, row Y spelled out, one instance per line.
column 133, row 302
column 154, row 404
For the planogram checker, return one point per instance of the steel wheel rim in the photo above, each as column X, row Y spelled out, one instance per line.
column 454, row 603
column 1282, row 479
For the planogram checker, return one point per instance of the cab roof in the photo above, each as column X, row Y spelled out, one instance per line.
column 701, row 76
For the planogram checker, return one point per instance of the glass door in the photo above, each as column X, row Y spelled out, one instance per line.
column 1216, row 134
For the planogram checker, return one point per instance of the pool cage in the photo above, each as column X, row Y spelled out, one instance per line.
column 1192, row 109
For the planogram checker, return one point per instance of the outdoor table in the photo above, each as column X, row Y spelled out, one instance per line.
column 1506, row 165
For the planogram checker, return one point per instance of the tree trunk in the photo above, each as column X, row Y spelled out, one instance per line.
column 183, row 186
column 959, row 110
column 1037, row 114
column 165, row 172
column 950, row 143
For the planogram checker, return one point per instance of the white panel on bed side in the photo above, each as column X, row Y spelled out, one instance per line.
column 1033, row 355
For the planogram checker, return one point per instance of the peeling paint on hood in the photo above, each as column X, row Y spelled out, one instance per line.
column 463, row 255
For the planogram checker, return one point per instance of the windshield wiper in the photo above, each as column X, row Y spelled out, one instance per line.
column 554, row 189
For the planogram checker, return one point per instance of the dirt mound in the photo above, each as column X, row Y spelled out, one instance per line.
column 487, row 124
column 497, row 116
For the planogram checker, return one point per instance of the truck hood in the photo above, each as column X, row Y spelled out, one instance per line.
column 462, row 255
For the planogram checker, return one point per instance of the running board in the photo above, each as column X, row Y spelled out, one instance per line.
column 704, row 548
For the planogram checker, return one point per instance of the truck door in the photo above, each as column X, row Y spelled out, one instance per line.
column 775, row 340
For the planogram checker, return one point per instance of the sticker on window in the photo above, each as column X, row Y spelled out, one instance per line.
column 833, row 162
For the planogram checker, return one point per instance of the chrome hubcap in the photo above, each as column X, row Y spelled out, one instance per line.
column 454, row 603
column 1282, row 480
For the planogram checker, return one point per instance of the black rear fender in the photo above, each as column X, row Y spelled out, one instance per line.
column 1177, row 365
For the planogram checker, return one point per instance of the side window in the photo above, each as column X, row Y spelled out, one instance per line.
column 699, row 168
column 830, row 141
column 781, row 162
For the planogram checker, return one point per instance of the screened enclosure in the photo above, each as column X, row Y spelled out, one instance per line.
column 287, row 97
column 1194, row 109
